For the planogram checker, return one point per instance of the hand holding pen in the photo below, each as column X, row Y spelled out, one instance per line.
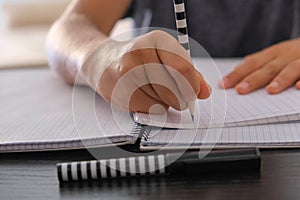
column 157, row 65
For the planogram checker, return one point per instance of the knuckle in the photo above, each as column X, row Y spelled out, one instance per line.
column 272, row 69
column 185, row 69
column 295, row 66
column 141, row 53
column 251, row 80
column 275, row 47
column 271, row 65
column 251, row 60
column 122, row 69
column 248, row 58
column 142, row 42
column 162, row 40
column 234, row 74
column 129, row 61
column 281, row 77
column 156, row 34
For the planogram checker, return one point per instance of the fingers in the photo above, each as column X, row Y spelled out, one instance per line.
column 126, row 95
column 260, row 77
column 183, row 72
column 238, row 73
column 138, row 72
column 174, row 56
column 179, row 90
column 250, row 64
column 165, row 87
column 162, row 77
column 286, row 78
column 275, row 67
column 162, row 82
column 141, row 102
column 143, row 66
column 177, row 63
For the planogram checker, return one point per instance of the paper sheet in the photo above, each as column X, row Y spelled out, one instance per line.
column 37, row 112
column 264, row 136
column 229, row 108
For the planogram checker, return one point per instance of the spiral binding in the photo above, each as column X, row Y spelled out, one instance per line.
column 142, row 132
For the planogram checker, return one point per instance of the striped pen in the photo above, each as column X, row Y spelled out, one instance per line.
column 183, row 37
column 187, row 164
column 112, row 168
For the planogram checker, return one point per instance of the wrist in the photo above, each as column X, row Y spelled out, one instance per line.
column 99, row 59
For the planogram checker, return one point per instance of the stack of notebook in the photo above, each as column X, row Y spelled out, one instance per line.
column 40, row 112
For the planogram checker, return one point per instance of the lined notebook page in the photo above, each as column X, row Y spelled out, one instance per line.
column 239, row 110
column 272, row 135
column 36, row 114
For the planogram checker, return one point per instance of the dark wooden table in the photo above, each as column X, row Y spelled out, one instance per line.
column 33, row 176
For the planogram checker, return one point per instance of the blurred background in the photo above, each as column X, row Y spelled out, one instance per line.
column 23, row 28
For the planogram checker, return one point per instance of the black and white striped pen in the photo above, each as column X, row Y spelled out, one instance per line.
column 188, row 164
column 183, row 37
column 112, row 168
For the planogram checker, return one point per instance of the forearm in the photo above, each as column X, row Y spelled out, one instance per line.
column 70, row 41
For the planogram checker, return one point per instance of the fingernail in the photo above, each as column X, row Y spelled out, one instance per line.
column 223, row 83
column 274, row 85
column 243, row 86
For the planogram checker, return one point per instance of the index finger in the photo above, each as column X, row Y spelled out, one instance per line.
column 184, row 73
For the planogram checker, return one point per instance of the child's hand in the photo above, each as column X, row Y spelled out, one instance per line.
column 152, row 59
column 276, row 68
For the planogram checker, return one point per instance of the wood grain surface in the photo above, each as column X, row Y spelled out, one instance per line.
column 33, row 176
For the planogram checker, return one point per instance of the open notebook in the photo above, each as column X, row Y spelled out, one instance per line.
column 258, row 119
column 229, row 109
column 37, row 114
